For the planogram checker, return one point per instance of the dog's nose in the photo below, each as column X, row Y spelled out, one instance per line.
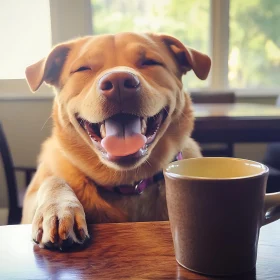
column 119, row 85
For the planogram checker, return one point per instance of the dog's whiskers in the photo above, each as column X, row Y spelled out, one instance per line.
column 45, row 122
column 148, row 162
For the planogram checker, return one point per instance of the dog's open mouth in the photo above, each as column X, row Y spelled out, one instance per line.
column 124, row 136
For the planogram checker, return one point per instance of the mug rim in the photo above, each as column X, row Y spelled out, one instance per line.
column 169, row 174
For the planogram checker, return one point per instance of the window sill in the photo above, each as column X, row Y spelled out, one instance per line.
column 260, row 93
column 49, row 95
column 18, row 89
column 26, row 97
column 243, row 93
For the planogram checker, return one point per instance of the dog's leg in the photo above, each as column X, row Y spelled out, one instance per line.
column 59, row 219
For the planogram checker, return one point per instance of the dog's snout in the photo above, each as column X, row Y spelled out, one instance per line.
column 119, row 85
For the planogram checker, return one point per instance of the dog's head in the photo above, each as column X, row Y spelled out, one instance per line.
column 121, row 95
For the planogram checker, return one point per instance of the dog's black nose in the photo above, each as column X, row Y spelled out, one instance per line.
column 119, row 85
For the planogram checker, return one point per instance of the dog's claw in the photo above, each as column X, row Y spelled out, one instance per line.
column 35, row 241
column 85, row 240
column 66, row 244
column 49, row 245
column 39, row 236
column 81, row 235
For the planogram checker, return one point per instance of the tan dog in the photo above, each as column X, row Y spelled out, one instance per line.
column 120, row 115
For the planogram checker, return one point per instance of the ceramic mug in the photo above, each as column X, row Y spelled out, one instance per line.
column 216, row 208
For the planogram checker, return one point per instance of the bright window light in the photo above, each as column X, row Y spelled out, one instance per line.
column 25, row 30
column 254, row 45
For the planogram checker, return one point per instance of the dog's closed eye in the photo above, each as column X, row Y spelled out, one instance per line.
column 82, row 68
column 151, row 62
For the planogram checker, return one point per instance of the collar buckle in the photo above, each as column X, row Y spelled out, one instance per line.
column 139, row 188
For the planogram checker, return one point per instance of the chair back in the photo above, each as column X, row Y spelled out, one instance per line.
column 213, row 97
column 6, row 157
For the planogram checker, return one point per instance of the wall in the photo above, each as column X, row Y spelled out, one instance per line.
column 26, row 126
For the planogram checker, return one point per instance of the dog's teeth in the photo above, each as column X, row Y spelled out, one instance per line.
column 144, row 126
column 102, row 130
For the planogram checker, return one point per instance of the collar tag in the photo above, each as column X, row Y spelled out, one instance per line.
column 142, row 185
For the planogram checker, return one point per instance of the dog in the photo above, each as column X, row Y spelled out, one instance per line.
column 120, row 115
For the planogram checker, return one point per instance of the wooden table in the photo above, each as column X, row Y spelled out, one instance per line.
column 237, row 122
column 119, row 251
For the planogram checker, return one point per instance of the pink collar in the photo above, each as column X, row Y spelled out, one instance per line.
column 140, row 186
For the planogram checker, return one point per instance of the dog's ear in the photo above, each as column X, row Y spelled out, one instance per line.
column 47, row 69
column 187, row 58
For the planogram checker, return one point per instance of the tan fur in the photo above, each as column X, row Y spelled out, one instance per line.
column 64, row 187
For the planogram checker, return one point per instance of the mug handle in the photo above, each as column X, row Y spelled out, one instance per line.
column 271, row 208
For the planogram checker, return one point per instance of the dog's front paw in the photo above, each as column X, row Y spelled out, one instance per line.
column 60, row 225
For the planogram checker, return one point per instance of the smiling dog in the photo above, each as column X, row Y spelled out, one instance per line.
column 120, row 115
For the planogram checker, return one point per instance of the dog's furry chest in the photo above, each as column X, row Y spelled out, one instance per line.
column 147, row 206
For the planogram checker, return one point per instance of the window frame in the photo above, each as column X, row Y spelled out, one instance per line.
column 81, row 12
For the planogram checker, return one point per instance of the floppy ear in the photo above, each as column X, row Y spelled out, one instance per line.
column 47, row 69
column 187, row 58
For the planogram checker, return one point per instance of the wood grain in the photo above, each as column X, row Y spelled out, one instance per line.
column 236, row 123
column 118, row 251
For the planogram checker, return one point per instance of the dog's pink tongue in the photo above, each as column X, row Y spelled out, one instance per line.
column 123, row 135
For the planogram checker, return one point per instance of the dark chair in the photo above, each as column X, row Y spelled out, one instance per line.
column 15, row 209
column 213, row 97
column 272, row 160
column 219, row 149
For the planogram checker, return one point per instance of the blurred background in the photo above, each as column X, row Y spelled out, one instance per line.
column 241, row 37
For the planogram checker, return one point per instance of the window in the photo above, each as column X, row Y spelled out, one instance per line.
column 25, row 27
column 242, row 37
column 243, row 32
column 254, row 45
column 175, row 17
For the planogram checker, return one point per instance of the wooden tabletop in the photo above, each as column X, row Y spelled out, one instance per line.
column 236, row 122
column 119, row 251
